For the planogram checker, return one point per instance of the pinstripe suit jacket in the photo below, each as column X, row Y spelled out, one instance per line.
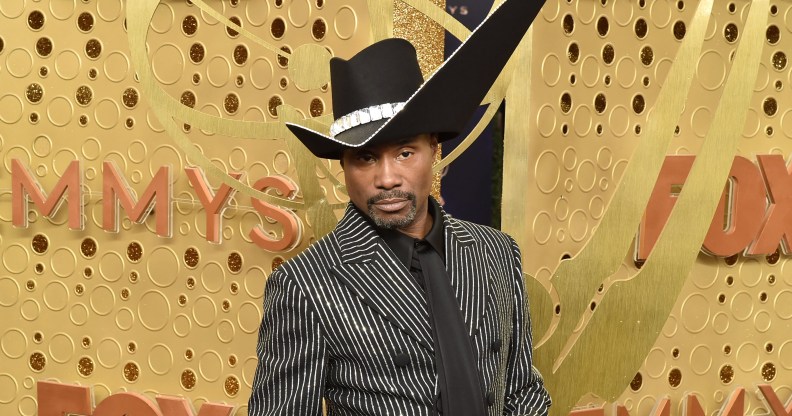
column 336, row 315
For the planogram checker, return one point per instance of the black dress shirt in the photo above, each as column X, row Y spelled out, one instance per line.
column 460, row 388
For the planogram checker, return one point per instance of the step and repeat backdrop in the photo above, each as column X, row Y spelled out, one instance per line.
column 149, row 186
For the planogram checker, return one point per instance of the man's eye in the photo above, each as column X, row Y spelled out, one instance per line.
column 405, row 154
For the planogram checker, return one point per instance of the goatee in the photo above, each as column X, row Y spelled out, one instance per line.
column 395, row 222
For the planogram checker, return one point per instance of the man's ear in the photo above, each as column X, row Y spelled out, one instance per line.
column 433, row 142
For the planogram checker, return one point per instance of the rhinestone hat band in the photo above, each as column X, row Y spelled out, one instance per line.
column 364, row 116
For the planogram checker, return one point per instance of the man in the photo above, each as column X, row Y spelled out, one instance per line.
column 402, row 310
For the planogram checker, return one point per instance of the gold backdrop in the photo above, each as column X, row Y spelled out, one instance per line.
column 209, row 84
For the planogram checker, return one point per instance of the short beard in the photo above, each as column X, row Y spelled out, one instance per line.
column 393, row 223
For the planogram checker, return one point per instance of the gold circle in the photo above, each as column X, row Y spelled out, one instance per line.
column 273, row 104
column 240, row 54
column 573, row 52
column 603, row 26
column 131, row 372
column 638, row 104
column 779, row 60
column 191, row 257
column 231, row 103
column 189, row 25
column 647, row 55
column 317, row 107
column 566, row 102
column 40, row 243
column 770, row 107
column 130, row 98
column 35, row 20
column 197, row 53
column 88, row 247
column 85, row 21
column 190, row 282
column 34, row 93
column 93, row 48
column 568, row 23
column 37, row 361
column 134, row 251
column 278, row 28
column 188, row 379
column 680, row 30
column 234, row 262
column 726, row 374
column 283, row 61
column 608, row 54
column 188, row 98
column 231, row 32
column 84, row 95
column 319, row 29
column 772, row 34
column 768, row 371
column 276, row 262
column 85, row 365
column 636, row 382
column 641, row 28
column 231, row 386
column 730, row 32
column 600, row 103
column 44, row 47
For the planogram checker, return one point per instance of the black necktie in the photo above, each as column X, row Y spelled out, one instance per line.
column 458, row 378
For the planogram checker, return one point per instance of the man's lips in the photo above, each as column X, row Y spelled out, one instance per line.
column 391, row 204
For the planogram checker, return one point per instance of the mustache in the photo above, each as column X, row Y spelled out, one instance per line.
column 395, row 193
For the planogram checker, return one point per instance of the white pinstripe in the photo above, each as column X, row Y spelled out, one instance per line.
column 337, row 314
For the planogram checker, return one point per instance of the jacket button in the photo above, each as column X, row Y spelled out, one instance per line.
column 496, row 345
column 401, row 360
column 491, row 398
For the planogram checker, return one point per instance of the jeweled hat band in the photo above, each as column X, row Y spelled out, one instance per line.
column 365, row 116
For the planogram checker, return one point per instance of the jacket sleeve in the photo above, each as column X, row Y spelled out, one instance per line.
column 525, row 392
column 291, row 351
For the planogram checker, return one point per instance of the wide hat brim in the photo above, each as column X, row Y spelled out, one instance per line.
column 447, row 100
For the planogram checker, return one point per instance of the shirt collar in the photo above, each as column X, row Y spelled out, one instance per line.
column 402, row 244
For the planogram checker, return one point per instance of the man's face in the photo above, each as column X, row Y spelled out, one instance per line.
column 391, row 182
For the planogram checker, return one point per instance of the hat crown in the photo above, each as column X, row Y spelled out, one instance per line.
column 385, row 72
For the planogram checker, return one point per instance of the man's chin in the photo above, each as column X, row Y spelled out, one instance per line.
column 391, row 221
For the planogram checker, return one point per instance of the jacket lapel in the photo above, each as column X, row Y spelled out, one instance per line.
column 466, row 264
column 377, row 277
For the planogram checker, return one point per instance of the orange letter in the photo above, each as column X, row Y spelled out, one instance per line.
column 693, row 406
column 123, row 404
column 115, row 190
column 777, row 224
column 663, row 408
column 213, row 204
column 55, row 399
column 178, row 406
column 23, row 184
column 743, row 213
column 736, row 404
column 290, row 223
column 675, row 171
column 774, row 402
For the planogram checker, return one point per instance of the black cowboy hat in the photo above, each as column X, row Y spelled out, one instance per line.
column 379, row 94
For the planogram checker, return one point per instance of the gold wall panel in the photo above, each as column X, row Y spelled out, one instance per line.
column 595, row 73
column 131, row 311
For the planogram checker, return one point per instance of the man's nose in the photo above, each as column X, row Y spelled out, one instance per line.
column 388, row 175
